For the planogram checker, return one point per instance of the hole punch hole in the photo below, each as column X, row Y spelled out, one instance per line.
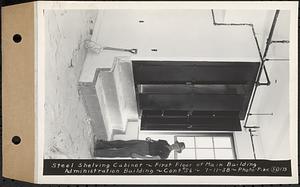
column 141, row 21
column 17, row 38
column 155, row 50
column 16, row 140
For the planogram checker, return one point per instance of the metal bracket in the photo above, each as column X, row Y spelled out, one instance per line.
column 96, row 48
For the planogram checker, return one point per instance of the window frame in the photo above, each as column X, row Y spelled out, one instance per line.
column 230, row 135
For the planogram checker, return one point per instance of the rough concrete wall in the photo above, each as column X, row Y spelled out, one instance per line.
column 68, row 132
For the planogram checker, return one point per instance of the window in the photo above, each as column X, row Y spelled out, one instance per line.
column 207, row 146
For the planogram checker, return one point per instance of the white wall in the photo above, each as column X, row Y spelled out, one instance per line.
column 176, row 34
column 274, row 129
column 243, row 145
column 262, row 25
column 272, row 140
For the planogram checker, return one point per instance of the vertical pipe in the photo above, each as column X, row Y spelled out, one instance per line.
column 261, row 67
column 252, row 143
column 269, row 39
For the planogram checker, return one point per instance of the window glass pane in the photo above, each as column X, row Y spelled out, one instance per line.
column 206, row 147
column 222, row 142
column 205, row 153
column 204, row 142
column 224, row 154
column 186, row 154
column 188, row 141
